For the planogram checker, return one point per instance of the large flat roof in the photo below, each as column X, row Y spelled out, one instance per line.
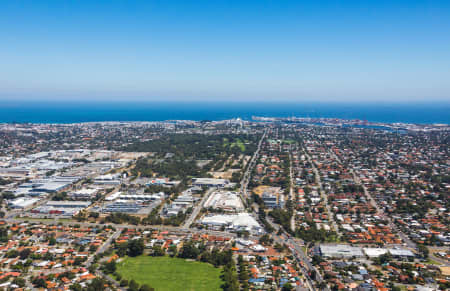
column 340, row 250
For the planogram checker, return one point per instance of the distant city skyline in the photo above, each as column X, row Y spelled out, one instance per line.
column 386, row 51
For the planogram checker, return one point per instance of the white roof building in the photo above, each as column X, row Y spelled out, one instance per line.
column 374, row 252
column 22, row 202
column 236, row 222
column 228, row 201
column 340, row 251
column 210, row 182
column 258, row 248
column 400, row 252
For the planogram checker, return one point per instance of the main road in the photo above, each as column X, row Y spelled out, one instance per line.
column 246, row 178
column 296, row 249
column 291, row 191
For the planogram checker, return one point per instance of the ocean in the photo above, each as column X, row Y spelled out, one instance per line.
column 73, row 112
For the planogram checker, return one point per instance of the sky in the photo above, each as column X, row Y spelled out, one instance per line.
column 376, row 51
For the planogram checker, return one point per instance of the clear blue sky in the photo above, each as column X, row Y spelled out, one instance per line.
column 225, row 50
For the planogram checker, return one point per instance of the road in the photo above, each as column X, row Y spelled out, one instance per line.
column 197, row 209
column 380, row 211
column 130, row 226
column 296, row 249
column 110, row 280
column 382, row 214
column 441, row 260
column 322, row 193
column 104, row 247
column 291, row 191
column 251, row 164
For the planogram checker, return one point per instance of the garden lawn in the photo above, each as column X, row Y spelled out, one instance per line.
column 166, row 273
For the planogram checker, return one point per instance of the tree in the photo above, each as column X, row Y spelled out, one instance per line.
column 135, row 247
column 110, row 267
column 94, row 215
column 158, row 251
column 3, row 234
column 52, row 241
column 424, row 250
column 145, row 287
column 24, row 253
column 322, row 285
column 76, row 287
column 265, row 240
column 122, row 249
column 172, row 250
column 39, row 283
column 123, row 282
column 78, row 261
column 19, row 282
column 97, row 284
column 287, row 287
column 189, row 251
column 133, row 286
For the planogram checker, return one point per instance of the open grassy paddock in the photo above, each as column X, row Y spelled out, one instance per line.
column 166, row 273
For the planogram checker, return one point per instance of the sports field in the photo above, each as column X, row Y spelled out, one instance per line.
column 166, row 273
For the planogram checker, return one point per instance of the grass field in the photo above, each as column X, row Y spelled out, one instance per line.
column 432, row 262
column 32, row 219
column 289, row 141
column 166, row 273
column 239, row 144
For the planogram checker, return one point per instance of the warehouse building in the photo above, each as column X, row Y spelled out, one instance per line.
column 210, row 182
column 68, row 204
column 108, row 179
column 374, row 252
column 227, row 201
column 233, row 222
column 180, row 204
column 61, row 208
column 22, row 202
column 339, row 251
column 125, row 206
column 83, row 194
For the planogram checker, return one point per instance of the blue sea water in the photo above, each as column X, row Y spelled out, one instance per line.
column 72, row 112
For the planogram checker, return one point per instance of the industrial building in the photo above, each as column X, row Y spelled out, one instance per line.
column 374, row 252
column 339, row 251
column 126, row 206
column 227, row 201
column 22, row 202
column 142, row 197
column 108, row 179
column 136, row 197
column 397, row 252
column 233, row 222
column 46, row 185
column 83, row 194
column 68, row 204
column 163, row 182
column 180, row 204
column 14, row 172
column 61, row 208
column 401, row 253
column 210, row 182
